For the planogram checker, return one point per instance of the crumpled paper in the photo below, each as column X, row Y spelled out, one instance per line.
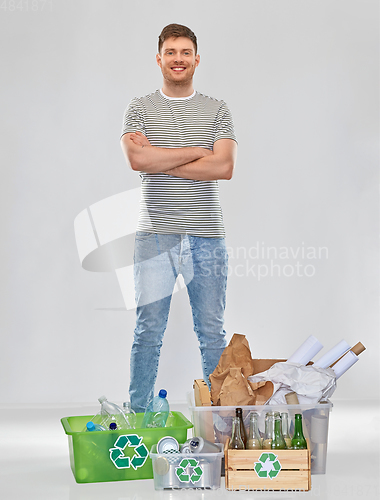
column 311, row 383
column 230, row 384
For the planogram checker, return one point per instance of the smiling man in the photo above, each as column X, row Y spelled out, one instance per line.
column 181, row 142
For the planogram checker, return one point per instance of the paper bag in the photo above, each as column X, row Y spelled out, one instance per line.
column 229, row 384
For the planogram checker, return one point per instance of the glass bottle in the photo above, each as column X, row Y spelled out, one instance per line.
column 254, row 440
column 243, row 432
column 298, row 440
column 278, row 441
column 269, row 430
column 273, row 413
column 236, row 442
column 285, row 429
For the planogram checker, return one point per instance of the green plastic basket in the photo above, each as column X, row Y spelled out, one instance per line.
column 119, row 455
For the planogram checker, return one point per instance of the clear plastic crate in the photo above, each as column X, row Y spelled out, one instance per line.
column 177, row 471
column 214, row 423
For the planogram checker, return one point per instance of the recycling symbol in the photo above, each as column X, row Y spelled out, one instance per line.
column 267, row 466
column 182, row 471
column 117, row 453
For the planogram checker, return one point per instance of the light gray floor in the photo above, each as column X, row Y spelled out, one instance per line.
column 34, row 459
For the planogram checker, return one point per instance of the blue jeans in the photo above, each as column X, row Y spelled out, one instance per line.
column 159, row 259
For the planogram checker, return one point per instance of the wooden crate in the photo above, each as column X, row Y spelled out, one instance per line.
column 293, row 465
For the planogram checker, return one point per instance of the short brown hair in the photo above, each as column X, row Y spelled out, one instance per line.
column 174, row 31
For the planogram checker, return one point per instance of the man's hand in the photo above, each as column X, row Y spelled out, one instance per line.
column 219, row 165
column 139, row 139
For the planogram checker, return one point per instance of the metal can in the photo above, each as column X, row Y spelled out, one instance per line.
column 185, row 447
column 200, row 445
column 167, row 444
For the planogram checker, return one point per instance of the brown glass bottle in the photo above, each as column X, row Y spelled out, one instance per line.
column 243, row 432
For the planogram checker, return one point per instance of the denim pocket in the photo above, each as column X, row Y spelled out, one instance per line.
column 143, row 236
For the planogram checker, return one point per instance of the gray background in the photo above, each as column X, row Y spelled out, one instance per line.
column 301, row 79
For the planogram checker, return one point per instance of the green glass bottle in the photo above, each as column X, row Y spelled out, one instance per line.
column 278, row 441
column 298, row 440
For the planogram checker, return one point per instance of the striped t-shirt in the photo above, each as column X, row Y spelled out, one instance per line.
column 171, row 204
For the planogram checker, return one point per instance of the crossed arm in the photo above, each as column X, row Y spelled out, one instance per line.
column 189, row 163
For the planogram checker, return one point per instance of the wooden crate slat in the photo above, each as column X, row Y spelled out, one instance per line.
column 295, row 480
column 289, row 459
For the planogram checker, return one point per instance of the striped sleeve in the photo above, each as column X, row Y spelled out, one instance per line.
column 224, row 124
column 133, row 120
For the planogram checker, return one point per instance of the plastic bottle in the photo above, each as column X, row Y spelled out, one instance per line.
column 157, row 411
column 171, row 421
column 90, row 427
column 129, row 414
column 110, row 412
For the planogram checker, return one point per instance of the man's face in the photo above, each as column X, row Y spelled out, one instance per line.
column 178, row 60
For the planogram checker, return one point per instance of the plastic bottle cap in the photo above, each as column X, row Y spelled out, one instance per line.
column 101, row 399
column 90, row 426
column 113, row 426
column 162, row 393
